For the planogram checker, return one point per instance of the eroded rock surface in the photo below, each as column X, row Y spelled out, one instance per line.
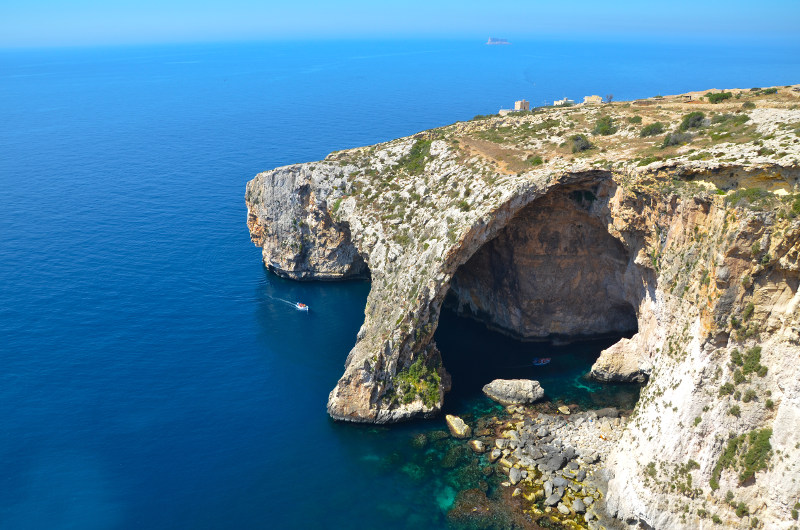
column 696, row 249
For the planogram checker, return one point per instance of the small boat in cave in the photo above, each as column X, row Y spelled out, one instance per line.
column 301, row 306
column 541, row 361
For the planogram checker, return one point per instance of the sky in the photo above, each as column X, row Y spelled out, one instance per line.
column 35, row 23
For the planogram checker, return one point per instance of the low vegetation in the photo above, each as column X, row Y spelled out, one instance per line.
column 676, row 138
column 414, row 161
column 652, row 129
column 580, row 143
column 718, row 97
column 747, row 453
column 418, row 381
column 604, row 126
column 693, row 120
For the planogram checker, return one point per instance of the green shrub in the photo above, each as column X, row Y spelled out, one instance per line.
column 757, row 455
column 635, row 119
column 726, row 389
column 697, row 421
column 748, row 312
column 769, row 404
column 693, row 120
column 736, row 358
column 463, row 205
column 749, row 395
column 419, row 380
column 748, row 453
column 762, row 371
column 738, row 377
column 676, row 139
column 604, row 126
column 729, row 496
column 748, row 105
column 718, row 97
column 721, row 118
column 646, row 161
column 735, row 411
column 752, row 360
column 716, row 519
column 752, row 196
column 795, row 515
column 741, row 510
column 652, row 129
column 580, row 143
column 768, row 91
column 414, row 161
column 535, row 160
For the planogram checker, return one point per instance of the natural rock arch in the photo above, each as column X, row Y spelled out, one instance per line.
column 553, row 270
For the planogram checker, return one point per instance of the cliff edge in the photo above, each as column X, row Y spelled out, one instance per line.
column 677, row 222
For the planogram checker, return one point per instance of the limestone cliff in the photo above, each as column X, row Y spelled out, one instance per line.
column 689, row 238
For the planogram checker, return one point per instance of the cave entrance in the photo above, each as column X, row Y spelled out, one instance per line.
column 552, row 283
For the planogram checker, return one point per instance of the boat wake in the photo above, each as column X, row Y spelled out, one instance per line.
column 295, row 305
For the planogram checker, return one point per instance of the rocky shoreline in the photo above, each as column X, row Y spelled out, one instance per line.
column 680, row 224
column 552, row 465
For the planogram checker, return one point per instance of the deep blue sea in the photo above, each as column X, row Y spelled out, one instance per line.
column 149, row 378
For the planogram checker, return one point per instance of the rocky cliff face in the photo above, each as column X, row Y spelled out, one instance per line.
column 554, row 270
column 694, row 247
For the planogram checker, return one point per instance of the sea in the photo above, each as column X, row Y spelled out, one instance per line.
column 153, row 374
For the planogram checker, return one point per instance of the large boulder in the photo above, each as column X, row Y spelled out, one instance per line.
column 514, row 391
column 623, row 362
column 457, row 427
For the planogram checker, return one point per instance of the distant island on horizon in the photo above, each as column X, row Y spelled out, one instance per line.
column 496, row 41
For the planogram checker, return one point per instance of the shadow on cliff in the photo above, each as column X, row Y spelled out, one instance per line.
column 475, row 355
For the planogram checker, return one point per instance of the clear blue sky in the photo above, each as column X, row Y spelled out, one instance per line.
column 82, row 22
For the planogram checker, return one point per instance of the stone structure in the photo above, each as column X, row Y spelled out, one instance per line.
column 522, row 105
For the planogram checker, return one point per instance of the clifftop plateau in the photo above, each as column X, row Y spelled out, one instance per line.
column 676, row 220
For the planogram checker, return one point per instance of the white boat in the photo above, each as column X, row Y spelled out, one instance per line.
column 301, row 306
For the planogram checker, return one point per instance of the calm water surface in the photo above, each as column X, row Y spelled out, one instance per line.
column 151, row 376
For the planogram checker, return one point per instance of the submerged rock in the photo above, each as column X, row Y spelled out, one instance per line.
column 477, row 446
column 514, row 391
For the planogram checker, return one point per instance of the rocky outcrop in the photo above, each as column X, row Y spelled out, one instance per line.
column 514, row 391
column 288, row 216
column 622, row 363
column 693, row 249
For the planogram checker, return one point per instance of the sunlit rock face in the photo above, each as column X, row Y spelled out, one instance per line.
column 554, row 270
column 697, row 250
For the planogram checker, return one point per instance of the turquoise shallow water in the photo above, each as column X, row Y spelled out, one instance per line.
column 151, row 378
